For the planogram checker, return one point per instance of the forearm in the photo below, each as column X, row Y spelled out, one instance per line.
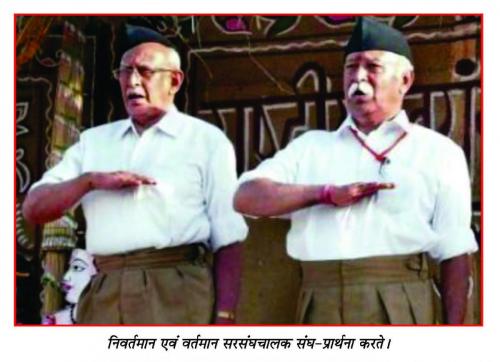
column 262, row 197
column 454, row 287
column 49, row 202
column 227, row 273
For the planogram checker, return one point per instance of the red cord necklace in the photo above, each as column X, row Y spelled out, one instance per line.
column 382, row 156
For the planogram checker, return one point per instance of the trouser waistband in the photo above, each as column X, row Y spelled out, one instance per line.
column 154, row 258
column 383, row 269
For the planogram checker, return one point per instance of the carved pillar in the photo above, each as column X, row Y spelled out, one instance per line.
column 59, row 237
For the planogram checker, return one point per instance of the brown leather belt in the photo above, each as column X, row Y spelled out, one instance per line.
column 154, row 258
column 383, row 269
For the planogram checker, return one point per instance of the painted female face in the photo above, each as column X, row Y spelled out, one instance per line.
column 80, row 272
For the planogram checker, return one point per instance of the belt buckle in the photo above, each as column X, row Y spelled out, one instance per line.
column 419, row 264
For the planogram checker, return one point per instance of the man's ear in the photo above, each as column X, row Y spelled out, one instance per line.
column 408, row 79
column 177, row 79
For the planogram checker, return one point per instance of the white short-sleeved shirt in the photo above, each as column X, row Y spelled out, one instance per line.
column 193, row 164
column 428, row 211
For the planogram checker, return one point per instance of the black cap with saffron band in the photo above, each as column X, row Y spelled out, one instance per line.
column 136, row 35
column 371, row 34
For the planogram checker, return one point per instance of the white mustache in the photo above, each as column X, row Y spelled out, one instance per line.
column 364, row 87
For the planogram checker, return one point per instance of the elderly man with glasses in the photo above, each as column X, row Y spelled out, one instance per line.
column 156, row 193
column 372, row 200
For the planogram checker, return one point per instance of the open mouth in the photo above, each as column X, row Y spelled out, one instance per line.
column 133, row 96
column 359, row 92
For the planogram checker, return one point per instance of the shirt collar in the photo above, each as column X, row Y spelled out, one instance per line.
column 401, row 122
column 169, row 124
column 124, row 128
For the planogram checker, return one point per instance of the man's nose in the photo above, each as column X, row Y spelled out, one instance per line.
column 134, row 78
column 360, row 74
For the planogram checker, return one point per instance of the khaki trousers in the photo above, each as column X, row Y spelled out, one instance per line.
column 169, row 286
column 379, row 290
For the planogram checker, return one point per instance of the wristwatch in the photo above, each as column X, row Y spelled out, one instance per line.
column 226, row 314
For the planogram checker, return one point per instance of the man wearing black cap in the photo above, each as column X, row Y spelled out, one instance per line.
column 370, row 201
column 156, row 190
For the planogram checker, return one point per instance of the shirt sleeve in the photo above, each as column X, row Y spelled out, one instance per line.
column 282, row 167
column 452, row 214
column 226, row 225
column 68, row 168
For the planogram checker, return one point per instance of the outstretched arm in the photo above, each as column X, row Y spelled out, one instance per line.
column 263, row 197
column 49, row 202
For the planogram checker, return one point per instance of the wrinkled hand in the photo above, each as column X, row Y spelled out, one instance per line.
column 350, row 194
column 118, row 180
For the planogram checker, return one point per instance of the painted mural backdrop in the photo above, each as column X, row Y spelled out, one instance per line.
column 48, row 121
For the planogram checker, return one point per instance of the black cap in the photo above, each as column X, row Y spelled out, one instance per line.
column 136, row 35
column 371, row 34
